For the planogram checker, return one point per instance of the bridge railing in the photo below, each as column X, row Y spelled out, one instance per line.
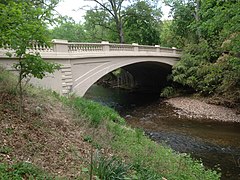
column 84, row 47
column 75, row 47
column 106, row 46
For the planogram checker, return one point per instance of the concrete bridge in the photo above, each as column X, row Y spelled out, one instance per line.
column 85, row 63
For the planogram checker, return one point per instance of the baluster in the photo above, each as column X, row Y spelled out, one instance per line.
column 44, row 47
column 69, row 48
column 33, row 45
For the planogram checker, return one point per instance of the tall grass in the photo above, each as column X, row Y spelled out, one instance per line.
column 8, row 82
column 110, row 168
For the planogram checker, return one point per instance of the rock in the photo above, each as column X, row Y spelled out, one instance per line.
column 128, row 116
column 38, row 110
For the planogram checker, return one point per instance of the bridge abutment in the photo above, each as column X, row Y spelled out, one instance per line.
column 67, row 79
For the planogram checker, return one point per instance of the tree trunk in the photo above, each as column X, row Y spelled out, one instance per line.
column 197, row 17
column 20, row 95
column 120, row 31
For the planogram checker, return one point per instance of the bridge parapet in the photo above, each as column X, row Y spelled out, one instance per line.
column 106, row 46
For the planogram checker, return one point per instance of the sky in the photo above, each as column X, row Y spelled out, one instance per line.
column 70, row 8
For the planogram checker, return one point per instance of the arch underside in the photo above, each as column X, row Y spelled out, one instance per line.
column 148, row 71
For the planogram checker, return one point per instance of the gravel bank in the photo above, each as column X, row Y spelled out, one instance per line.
column 198, row 109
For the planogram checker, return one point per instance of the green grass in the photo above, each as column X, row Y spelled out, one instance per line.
column 21, row 171
column 110, row 168
column 92, row 111
column 8, row 82
column 148, row 159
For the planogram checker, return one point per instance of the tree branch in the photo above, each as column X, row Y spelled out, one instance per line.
column 102, row 5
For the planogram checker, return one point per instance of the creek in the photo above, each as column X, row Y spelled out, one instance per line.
column 216, row 143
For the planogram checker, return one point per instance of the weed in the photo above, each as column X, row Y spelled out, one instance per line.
column 22, row 170
column 88, row 138
column 5, row 150
column 167, row 92
column 8, row 131
column 109, row 168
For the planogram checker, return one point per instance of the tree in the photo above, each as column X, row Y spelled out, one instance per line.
column 142, row 23
column 24, row 22
column 112, row 16
column 115, row 9
column 99, row 26
column 211, row 40
column 166, row 35
column 184, row 13
column 69, row 30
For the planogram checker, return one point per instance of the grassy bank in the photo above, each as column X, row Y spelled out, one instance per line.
column 69, row 137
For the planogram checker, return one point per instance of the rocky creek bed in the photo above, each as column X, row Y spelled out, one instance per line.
column 195, row 108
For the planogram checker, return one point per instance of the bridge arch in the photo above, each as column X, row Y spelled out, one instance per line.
column 101, row 67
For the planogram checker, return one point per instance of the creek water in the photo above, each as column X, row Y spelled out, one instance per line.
column 217, row 144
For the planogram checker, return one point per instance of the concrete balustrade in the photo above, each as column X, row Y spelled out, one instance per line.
column 64, row 46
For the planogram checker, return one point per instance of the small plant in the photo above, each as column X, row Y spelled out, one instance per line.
column 88, row 139
column 110, row 168
column 8, row 131
column 145, row 173
column 167, row 92
column 5, row 149
column 22, row 170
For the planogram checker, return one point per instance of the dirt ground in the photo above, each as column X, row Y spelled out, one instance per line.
column 49, row 139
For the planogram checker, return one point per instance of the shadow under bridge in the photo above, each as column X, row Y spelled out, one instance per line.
column 147, row 77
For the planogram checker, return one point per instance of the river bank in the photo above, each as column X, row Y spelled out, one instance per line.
column 74, row 138
column 198, row 108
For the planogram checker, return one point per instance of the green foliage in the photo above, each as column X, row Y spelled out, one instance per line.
column 183, row 13
column 109, row 168
column 211, row 39
column 21, row 171
column 124, row 22
column 7, row 82
column 167, row 37
column 167, row 92
column 142, row 24
column 144, row 173
column 34, row 65
column 22, row 24
column 99, row 26
column 69, row 30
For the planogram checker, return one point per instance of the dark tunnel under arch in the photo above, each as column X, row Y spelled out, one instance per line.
column 149, row 77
